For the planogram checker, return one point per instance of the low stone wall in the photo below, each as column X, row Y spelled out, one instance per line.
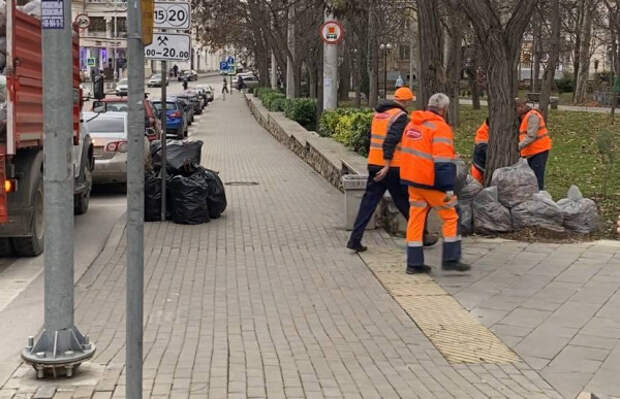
column 329, row 158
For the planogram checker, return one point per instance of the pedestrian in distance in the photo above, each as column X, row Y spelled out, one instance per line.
column 185, row 82
column 428, row 168
column 240, row 83
column 224, row 88
column 534, row 140
column 389, row 120
column 481, row 143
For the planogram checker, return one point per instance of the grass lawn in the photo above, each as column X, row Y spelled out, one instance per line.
column 574, row 159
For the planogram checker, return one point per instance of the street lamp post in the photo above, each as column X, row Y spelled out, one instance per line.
column 385, row 47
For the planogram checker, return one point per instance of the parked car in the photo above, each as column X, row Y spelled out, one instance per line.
column 152, row 124
column 198, row 94
column 122, row 87
column 191, row 75
column 176, row 118
column 193, row 99
column 109, row 133
column 188, row 107
column 155, row 81
column 250, row 81
column 208, row 92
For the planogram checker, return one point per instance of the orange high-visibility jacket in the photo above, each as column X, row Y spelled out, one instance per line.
column 381, row 123
column 427, row 152
column 542, row 142
column 480, row 149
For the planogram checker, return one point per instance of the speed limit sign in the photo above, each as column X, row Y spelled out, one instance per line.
column 172, row 15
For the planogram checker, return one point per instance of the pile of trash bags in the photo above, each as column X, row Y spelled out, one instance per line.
column 513, row 202
column 195, row 194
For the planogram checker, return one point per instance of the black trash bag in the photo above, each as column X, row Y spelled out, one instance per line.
column 187, row 196
column 181, row 155
column 216, row 197
column 152, row 197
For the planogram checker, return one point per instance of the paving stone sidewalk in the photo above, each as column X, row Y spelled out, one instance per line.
column 265, row 302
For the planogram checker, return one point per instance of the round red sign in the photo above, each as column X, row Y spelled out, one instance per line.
column 332, row 32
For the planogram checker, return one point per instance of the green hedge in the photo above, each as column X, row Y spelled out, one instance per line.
column 348, row 126
column 302, row 111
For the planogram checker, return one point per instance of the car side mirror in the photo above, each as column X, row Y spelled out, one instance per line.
column 100, row 106
column 150, row 131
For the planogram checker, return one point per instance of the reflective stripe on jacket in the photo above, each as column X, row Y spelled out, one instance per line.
column 427, row 151
column 381, row 123
column 542, row 142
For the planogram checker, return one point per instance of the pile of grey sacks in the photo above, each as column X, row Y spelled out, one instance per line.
column 513, row 202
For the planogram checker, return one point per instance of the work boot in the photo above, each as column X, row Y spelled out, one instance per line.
column 429, row 239
column 455, row 265
column 418, row 269
column 357, row 247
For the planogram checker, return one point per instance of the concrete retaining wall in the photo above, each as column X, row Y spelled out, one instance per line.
column 328, row 157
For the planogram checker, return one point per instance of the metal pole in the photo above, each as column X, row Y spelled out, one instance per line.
column 385, row 73
column 330, row 73
column 60, row 347
column 164, row 139
column 114, row 47
column 135, row 203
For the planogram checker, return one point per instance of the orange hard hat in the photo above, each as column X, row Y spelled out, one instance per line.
column 403, row 94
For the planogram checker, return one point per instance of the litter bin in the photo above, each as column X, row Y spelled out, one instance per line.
column 354, row 187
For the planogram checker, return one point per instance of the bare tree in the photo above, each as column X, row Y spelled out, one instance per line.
column 500, row 32
column 584, row 51
column 431, row 76
column 553, row 57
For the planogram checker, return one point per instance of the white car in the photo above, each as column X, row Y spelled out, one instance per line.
column 122, row 87
column 108, row 132
column 155, row 81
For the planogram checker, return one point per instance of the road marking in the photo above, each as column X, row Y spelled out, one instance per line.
column 458, row 335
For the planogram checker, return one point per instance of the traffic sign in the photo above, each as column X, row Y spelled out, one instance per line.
column 230, row 60
column 223, row 66
column 169, row 47
column 82, row 21
column 332, row 32
column 91, row 62
column 146, row 9
column 172, row 15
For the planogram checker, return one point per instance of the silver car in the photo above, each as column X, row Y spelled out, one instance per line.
column 122, row 87
column 109, row 134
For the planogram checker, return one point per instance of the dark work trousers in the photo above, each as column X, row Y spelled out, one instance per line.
column 372, row 197
column 538, row 164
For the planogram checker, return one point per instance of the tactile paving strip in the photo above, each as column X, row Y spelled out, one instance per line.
column 459, row 336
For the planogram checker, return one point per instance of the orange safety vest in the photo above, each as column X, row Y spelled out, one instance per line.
column 381, row 123
column 482, row 134
column 427, row 139
column 542, row 142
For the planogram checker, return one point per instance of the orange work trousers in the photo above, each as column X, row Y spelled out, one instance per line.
column 420, row 200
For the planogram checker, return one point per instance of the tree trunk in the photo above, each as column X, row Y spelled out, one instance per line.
column 455, row 29
column 373, row 90
column 358, row 79
column 578, row 39
column 584, row 55
column 431, row 76
column 553, row 58
column 290, row 60
column 413, row 54
column 499, row 46
column 537, row 54
column 344, row 74
column 473, row 77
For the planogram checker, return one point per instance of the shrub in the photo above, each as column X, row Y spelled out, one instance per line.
column 351, row 128
column 566, row 84
column 274, row 101
column 302, row 111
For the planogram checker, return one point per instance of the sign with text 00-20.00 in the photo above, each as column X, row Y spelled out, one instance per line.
column 172, row 15
column 169, row 47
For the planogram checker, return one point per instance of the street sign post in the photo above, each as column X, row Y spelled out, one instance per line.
column 332, row 32
column 172, row 15
column 169, row 47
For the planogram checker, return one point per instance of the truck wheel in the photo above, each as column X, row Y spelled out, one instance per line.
column 5, row 247
column 33, row 246
column 81, row 201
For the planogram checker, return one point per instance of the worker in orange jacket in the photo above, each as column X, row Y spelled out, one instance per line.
column 428, row 168
column 383, row 174
column 534, row 140
column 481, row 142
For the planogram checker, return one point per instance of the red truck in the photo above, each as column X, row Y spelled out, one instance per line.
column 21, row 143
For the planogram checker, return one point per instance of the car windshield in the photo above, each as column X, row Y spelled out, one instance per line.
column 116, row 125
column 169, row 106
column 158, row 76
column 118, row 107
column 122, row 82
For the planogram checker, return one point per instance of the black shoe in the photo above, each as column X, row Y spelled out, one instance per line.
column 455, row 266
column 357, row 247
column 429, row 240
column 418, row 269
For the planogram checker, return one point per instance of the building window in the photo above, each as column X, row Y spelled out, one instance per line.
column 403, row 51
column 121, row 25
column 97, row 24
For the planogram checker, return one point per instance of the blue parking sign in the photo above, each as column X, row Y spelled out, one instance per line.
column 223, row 66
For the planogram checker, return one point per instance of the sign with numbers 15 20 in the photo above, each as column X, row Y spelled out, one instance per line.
column 172, row 15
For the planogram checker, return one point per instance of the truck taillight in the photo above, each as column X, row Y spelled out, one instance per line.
column 116, row 146
column 9, row 186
